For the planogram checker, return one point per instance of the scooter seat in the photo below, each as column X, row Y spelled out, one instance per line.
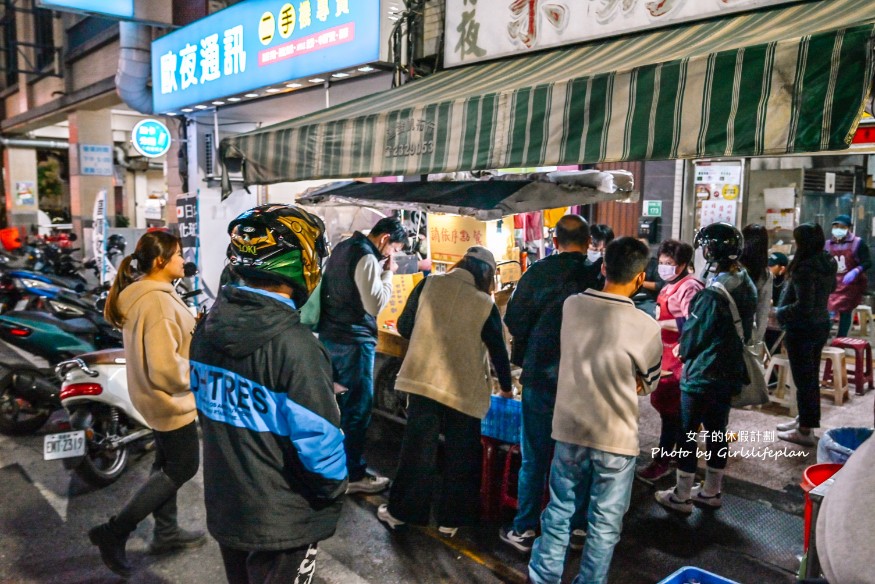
column 105, row 357
column 75, row 326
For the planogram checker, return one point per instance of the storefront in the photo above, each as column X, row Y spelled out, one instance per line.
column 789, row 78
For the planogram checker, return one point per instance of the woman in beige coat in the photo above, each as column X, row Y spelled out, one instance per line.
column 157, row 327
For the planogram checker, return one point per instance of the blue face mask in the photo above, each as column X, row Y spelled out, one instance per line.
column 839, row 232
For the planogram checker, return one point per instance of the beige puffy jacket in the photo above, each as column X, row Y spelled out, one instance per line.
column 157, row 335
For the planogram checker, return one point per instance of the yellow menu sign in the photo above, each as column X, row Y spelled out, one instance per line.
column 402, row 286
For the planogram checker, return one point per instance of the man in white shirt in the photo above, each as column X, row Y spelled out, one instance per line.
column 611, row 354
column 356, row 286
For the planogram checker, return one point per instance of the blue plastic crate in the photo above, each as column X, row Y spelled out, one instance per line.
column 503, row 420
column 689, row 574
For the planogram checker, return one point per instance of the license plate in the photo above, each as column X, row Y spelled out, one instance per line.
column 64, row 445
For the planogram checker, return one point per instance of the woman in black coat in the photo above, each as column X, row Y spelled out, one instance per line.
column 803, row 315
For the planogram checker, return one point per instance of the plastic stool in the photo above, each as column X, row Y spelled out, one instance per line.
column 785, row 380
column 488, row 508
column 863, row 315
column 835, row 373
column 512, row 463
column 862, row 361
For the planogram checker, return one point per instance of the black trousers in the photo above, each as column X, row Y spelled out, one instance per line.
column 177, row 457
column 803, row 349
column 419, row 467
column 275, row 567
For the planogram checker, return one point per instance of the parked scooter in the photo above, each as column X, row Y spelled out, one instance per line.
column 36, row 340
column 104, row 423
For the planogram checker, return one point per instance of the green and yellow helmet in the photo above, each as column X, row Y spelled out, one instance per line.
column 283, row 243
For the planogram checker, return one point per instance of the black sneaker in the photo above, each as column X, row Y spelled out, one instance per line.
column 521, row 541
column 112, row 549
column 183, row 540
column 578, row 538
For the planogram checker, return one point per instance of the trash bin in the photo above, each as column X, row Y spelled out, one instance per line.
column 838, row 444
column 812, row 477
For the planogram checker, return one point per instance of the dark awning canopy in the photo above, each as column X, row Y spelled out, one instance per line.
column 483, row 199
column 789, row 79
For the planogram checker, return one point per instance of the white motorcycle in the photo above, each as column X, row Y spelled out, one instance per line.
column 104, row 423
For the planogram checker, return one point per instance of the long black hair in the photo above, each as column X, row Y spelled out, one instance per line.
column 755, row 254
column 154, row 250
column 809, row 240
column 484, row 274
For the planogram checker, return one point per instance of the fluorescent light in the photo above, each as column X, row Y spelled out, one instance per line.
column 218, row 102
column 200, row 107
column 293, row 85
column 316, row 80
column 273, row 90
column 393, row 18
column 366, row 69
column 170, row 114
column 187, row 110
column 251, row 95
column 233, row 99
column 340, row 75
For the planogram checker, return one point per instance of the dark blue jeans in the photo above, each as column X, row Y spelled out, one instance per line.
column 711, row 410
column 536, row 447
column 803, row 349
column 354, row 368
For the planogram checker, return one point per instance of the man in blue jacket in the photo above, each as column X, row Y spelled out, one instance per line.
column 534, row 318
column 274, row 464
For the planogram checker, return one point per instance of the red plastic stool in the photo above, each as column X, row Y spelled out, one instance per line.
column 488, row 507
column 862, row 363
column 510, row 478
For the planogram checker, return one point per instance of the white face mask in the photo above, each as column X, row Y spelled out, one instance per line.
column 839, row 233
column 666, row 272
column 593, row 256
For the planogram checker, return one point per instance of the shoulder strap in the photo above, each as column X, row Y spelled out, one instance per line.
column 736, row 318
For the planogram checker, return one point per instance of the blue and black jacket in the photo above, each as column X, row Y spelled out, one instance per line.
column 274, row 463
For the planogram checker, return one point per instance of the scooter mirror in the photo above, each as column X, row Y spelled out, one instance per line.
column 189, row 269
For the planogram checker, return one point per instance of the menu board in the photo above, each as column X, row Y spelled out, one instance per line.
column 402, row 286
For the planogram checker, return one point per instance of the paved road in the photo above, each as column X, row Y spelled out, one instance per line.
column 45, row 512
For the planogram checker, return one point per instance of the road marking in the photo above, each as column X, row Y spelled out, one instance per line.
column 333, row 571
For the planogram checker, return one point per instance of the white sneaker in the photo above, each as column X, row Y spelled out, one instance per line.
column 702, row 500
column 668, row 500
column 368, row 484
column 387, row 518
column 787, row 426
column 797, row 437
column 448, row 531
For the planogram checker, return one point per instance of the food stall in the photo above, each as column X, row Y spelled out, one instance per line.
column 461, row 214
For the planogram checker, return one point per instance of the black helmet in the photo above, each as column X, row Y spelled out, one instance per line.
column 283, row 243
column 720, row 242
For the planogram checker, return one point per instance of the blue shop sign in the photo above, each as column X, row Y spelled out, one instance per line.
column 119, row 8
column 258, row 43
column 151, row 138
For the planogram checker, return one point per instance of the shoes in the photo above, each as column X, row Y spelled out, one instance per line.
column 702, row 500
column 448, row 531
column 521, row 541
column 387, row 519
column 112, row 549
column 654, row 471
column 182, row 540
column 668, row 500
column 368, row 484
column 797, row 437
column 787, row 426
column 578, row 538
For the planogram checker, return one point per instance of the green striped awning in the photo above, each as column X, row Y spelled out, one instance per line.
column 786, row 80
